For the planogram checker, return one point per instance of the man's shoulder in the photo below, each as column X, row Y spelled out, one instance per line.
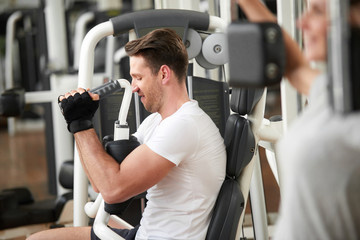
column 151, row 118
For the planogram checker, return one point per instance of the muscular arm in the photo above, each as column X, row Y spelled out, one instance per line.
column 139, row 171
column 298, row 70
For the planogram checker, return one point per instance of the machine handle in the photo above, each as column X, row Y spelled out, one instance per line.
column 151, row 19
column 106, row 89
column 113, row 86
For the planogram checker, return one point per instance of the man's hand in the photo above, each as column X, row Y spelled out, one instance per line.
column 78, row 107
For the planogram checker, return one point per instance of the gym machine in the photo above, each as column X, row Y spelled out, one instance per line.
column 256, row 109
column 263, row 129
column 116, row 26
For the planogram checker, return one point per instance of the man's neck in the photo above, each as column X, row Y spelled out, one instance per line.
column 173, row 102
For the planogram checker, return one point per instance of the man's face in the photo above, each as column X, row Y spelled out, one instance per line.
column 147, row 85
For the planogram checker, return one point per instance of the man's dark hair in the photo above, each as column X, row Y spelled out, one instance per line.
column 161, row 47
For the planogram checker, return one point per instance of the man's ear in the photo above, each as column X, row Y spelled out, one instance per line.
column 165, row 74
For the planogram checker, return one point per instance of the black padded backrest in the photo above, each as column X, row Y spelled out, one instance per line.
column 228, row 208
column 240, row 147
column 213, row 98
column 243, row 100
column 240, row 144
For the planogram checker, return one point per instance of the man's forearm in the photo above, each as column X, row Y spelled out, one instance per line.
column 256, row 11
column 93, row 157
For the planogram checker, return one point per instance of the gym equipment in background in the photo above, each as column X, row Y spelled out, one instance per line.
column 263, row 46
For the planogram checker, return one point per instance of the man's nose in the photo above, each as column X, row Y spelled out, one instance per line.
column 135, row 88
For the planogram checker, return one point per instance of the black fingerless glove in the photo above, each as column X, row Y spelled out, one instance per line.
column 78, row 111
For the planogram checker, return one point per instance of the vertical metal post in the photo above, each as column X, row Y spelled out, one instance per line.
column 287, row 13
column 225, row 13
column 85, row 80
column 9, row 78
column 80, row 32
column 142, row 4
column 184, row 4
column 339, row 56
column 257, row 196
column 10, row 39
column 56, row 34
column 104, row 5
column 109, row 57
column 2, row 77
column 58, row 60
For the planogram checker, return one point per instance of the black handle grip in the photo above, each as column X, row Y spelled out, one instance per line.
column 107, row 89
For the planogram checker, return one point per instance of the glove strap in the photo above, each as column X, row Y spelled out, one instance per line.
column 79, row 125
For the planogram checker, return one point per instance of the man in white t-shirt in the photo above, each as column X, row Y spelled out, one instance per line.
column 180, row 162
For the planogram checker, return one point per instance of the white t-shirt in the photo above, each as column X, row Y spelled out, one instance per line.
column 180, row 205
column 320, row 157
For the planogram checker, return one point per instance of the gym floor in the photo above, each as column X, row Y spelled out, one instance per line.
column 23, row 160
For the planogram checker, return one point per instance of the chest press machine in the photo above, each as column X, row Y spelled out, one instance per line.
column 241, row 134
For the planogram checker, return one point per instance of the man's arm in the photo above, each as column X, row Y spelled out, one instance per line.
column 298, row 70
column 139, row 171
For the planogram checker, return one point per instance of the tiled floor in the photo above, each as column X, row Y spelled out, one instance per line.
column 23, row 161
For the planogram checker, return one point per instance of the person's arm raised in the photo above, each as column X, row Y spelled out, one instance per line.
column 298, row 70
